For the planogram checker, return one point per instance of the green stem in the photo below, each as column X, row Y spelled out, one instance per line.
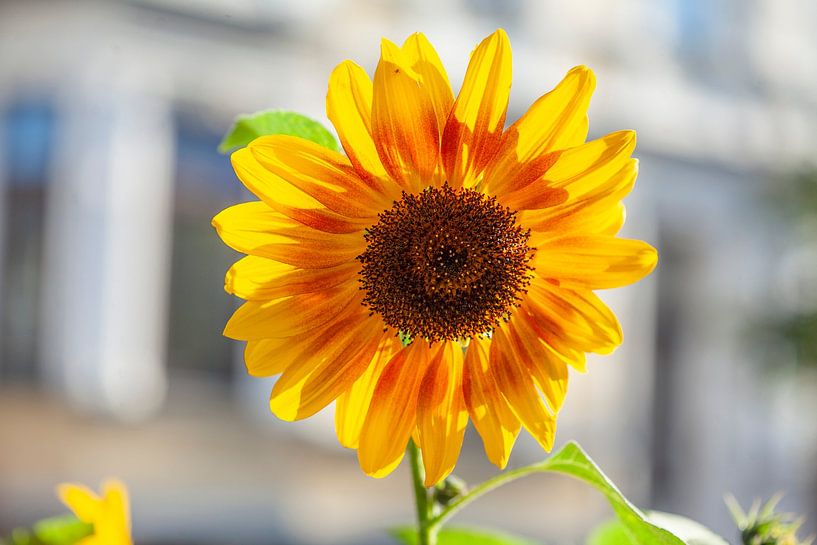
column 435, row 523
column 426, row 533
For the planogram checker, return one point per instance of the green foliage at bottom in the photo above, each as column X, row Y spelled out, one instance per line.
column 631, row 527
column 462, row 536
column 65, row 530
column 573, row 461
column 692, row 533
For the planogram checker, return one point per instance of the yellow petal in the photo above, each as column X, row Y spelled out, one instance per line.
column 403, row 120
column 441, row 413
column 558, row 120
column 474, row 129
column 392, row 414
column 586, row 169
column 583, row 319
column 290, row 316
column 114, row 527
column 254, row 228
column 598, row 173
column 266, row 357
column 108, row 513
column 352, row 405
column 594, row 261
column 326, row 369
column 265, row 185
column 547, row 370
column 602, row 217
column 610, row 221
column 85, row 504
column 535, row 196
column 270, row 356
column 287, row 199
column 553, row 336
column 323, row 174
column 260, row 279
column 516, row 384
column 597, row 211
column 424, row 60
column 490, row 413
column 550, row 374
column 349, row 108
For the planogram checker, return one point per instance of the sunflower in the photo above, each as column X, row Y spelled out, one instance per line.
column 108, row 513
column 443, row 268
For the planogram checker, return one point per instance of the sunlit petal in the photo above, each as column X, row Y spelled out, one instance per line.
column 349, row 108
column 555, row 122
column 474, row 129
column 392, row 414
column 490, row 413
column 441, row 413
column 404, row 121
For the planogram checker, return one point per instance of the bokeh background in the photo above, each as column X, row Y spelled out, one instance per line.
column 111, row 302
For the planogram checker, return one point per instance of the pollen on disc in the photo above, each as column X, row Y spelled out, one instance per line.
column 445, row 264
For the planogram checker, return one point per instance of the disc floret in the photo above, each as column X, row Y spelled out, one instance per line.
column 445, row 264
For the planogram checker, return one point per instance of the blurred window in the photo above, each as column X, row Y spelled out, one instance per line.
column 199, row 308
column 28, row 132
column 715, row 43
column 506, row 13
column 696, row 28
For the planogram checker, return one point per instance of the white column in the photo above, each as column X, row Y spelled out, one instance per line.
column 107, row 257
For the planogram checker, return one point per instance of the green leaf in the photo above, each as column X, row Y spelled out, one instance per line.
column 691, row 532
column 632, row 527
column 461, row 536
column 573, row 461
column 247, row 128
column 610, row 533
column 64, row 530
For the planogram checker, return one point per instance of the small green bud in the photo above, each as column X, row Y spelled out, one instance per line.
column 449, row 489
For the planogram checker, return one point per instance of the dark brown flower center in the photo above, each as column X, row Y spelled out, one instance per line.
column 445, row 264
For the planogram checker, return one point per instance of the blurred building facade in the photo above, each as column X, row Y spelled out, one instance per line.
column 110, row 274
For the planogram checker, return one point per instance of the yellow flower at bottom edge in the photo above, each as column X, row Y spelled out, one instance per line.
column 108, row 513
column 481, row 244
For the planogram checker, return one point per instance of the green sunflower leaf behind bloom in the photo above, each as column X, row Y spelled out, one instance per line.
column 407, row 535
column 247, row 128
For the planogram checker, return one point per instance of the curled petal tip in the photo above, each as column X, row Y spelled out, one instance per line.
column 582, row 69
